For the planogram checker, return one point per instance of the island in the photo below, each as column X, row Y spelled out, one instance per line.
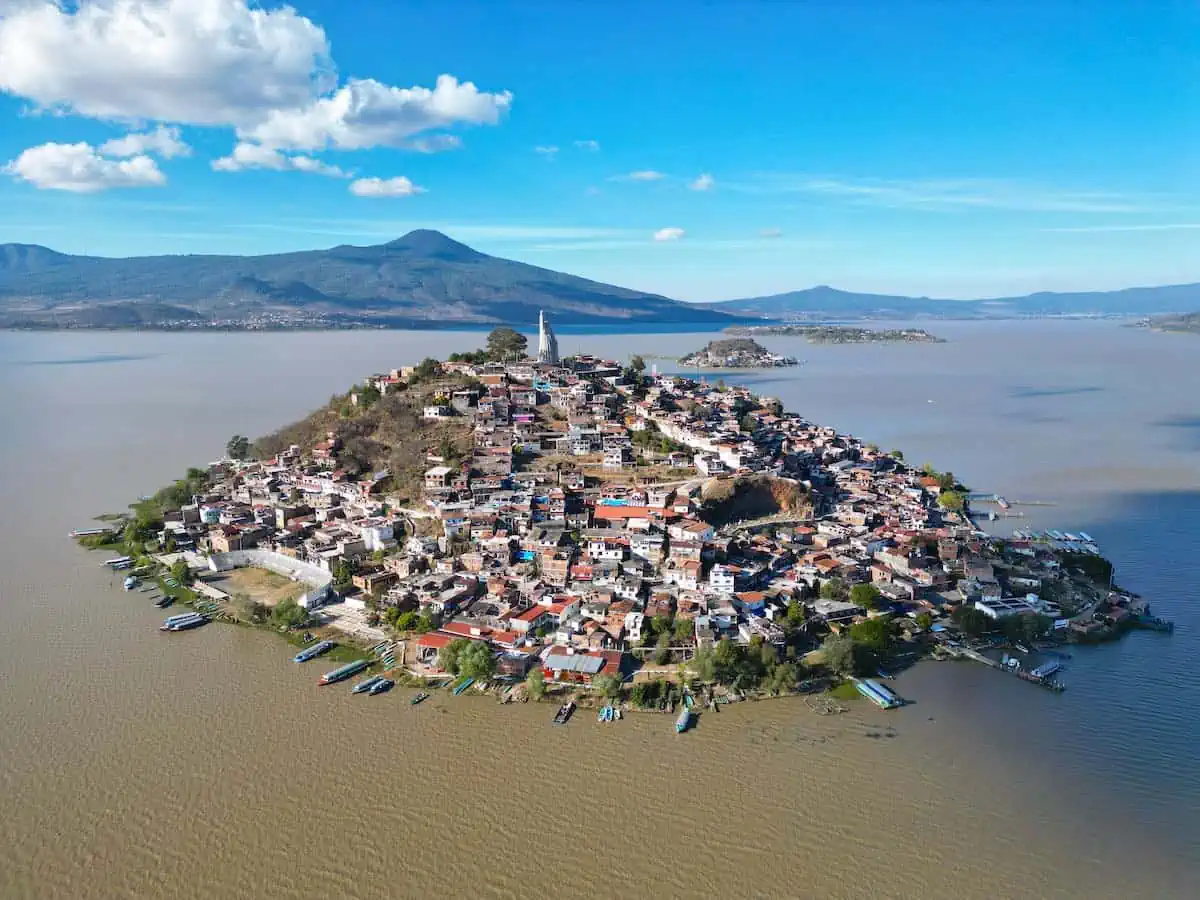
column 840, row 334
column 1185, row 323
column 511, row 522
column 735, row 353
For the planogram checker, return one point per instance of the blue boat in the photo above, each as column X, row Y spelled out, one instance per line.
column 343, row 672
column 466, row 683
column 183, row 622
column 129, row 583
column 877, row 693
column 313, row 652
column 366, row 684
column 684, row 721
column 381, row 686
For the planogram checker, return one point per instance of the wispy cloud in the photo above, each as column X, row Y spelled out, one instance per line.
column 770, row 232
column 640, row 175
column 669, row 234
column 704, row 183
column 1171, row 226
column 590, row 146
column 942, row 194
column 549, row 151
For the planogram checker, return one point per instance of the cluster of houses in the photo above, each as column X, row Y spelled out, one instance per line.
column 544, row 543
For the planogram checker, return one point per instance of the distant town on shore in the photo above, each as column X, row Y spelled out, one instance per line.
column 530, row 525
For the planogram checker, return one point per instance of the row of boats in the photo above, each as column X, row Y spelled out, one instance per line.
column 183, row 622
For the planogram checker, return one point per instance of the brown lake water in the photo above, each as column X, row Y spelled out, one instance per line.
column 207, row 764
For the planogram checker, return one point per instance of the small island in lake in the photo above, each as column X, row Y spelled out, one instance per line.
column 840, row 334
column 528, row 526
column 1185, row 323
column 736, row 353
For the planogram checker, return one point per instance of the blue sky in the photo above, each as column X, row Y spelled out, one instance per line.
column 701, row 150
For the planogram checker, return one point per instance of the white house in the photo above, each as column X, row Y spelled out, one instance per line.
column 721, row 579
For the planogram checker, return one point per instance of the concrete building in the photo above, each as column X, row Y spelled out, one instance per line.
column 547, row 342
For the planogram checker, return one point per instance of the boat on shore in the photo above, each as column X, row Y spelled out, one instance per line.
column 382, row 686
column 564, row 712
column 366, row 684
column 129, row 583
column 684, row 722
column 418, row 698
column 183, row 622
column 466, row 683
column 343, row 672
column 877, row 693
column 164, row 601
column 313, row 652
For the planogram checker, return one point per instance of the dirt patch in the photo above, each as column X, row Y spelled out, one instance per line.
column 260, row 585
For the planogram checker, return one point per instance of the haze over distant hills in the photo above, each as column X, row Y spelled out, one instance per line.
column 423, row 278
column 826, row 302
column 426, row 279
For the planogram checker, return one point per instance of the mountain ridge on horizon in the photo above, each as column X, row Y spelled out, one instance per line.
column 419, row 279
column 823, row 300
column 425, row 278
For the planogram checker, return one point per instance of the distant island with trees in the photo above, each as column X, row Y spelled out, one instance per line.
column 839, row 334
column 736, row 353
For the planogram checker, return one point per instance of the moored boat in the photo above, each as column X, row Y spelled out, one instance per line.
column 164, row 601
column 466, row 683
column 129, row 583
column 381, row 686
column 313, row 652
column 564, row 712
column 418, row 698
column 366, row 684
column 684, row 721
column 183, row 621
column 343, row 672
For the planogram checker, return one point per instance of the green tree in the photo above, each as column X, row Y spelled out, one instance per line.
column 427, row 369
column 662, row 651
column 535, row 684
column 476, row 661
column 425, row 623
column 875, row 633
column 972, row 621
column 834, row 589
column 866, row 595
column 448, row 656
column 896, row 454
column 748, row 423
column 952, row 501
column 181, row 572
column 289, row 614
column 947, row 481
column 637, row 364
column 704, row 665
column 838, row 653
column 238, row 447
column 607, row 686
column 683, row 630
column 796, row 615
column 924, row 621
column 505, row 343
column 783, row 677
column 407, row 621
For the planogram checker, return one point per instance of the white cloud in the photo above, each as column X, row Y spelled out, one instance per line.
column 668, row 234
column 364, row 113
column 80, row 169
column 942, row 194
column 205, row 62
column 704, row 183
column 592, row 146
column 384, row 187
column 592, row 191
column 548, row 152
column 770, row 232
column 434, row 143
column 1089, row 229
column 163, row 141
column 255, row 156
column 641, row 175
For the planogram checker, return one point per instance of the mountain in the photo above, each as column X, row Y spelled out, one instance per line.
column 826, row 302
column 421, row 279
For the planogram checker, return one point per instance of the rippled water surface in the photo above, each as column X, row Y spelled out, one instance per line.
column 206, row 764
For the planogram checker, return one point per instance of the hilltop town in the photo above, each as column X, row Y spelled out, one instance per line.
column 587, row 523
